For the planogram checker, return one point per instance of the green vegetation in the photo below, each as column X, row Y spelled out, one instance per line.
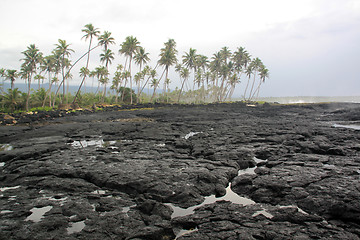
column 202, row 79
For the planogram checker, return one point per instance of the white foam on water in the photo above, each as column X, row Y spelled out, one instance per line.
column 38, row 213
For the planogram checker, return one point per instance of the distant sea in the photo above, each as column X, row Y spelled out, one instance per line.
column 282, row 100
column 311, row 99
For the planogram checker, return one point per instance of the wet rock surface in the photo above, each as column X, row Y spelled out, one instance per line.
column 120, row 174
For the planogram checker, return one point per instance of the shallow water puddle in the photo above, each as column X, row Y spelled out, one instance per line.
column 94, row 143
column 229, row 196
column 75, row 227
column 5, row 211
column 38, row 213
column 183, row 232
column 191, row 134
column 5, row 147
column 351, row 126
column 264, row 213
column 3, row 189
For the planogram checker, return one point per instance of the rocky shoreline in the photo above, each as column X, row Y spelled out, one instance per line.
column 127, row 173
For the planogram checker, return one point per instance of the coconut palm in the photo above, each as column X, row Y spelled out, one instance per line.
column 167, row 58
column 225, row 54
column 129, row 48
column 63, row 48
column 105, row 40
column 12, row 98
column 90, row 32
column 11, row 75
column 32, row 58
column 263, row 74
column 141, row 57
column 256, row 66
column 154, row 83
column 39, row 78
column 189, row 61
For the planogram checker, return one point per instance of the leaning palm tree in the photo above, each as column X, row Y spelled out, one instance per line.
column 129, row 48
column 184, row 74
column 65, row 51
column 90, row 32
column 256, row 66
column 263, row 74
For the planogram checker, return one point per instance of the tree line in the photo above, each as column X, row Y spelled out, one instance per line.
column 202, row 79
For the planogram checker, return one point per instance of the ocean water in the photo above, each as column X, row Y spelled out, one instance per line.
column 311, row 99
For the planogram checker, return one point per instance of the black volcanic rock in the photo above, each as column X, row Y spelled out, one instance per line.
column 119, row 174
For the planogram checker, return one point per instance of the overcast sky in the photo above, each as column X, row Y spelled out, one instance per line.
column 311, row 47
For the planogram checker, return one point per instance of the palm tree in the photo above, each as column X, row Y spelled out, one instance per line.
column 141, row 57
column 33, row 56
column 189, row 61
column 256, row 66
column 225, row 54
column 11, row 75
column 65, row 51
column 167, row 58
column 184, row 74
column 264, row 74
column 106, row 39
column 39, row 77
column 106, row 57
column 154, row 83
column 11, row 98
column 129, row 48
column 90, row 32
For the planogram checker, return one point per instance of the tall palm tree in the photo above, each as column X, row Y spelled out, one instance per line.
column 167, row 58
column 105, row 40
column 184, row 74
column 129, row 48
column 32, row 58
column 225, row 54
column 141, row 58
column 263, row 74
column 63, row 48
column 189, row 61
column 106, row 57
column 90, row 32
column 11, row 75
column 256, row 66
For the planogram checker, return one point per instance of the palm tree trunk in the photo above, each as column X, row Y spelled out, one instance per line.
column 252, row 87
column 247, row 85
column 182, row 86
